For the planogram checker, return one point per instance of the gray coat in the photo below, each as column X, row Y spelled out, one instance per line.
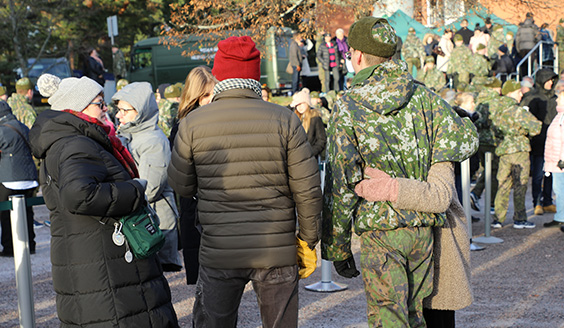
column 149, row 147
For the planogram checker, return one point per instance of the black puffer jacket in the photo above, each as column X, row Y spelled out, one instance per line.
column 16, row 163
column 252, row 167
column 542, row 104
column 84, row 185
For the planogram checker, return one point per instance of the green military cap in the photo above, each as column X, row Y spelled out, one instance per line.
column 510, row 33
column 481, row 80
column 179, row 85
column 481, row 46
column 411, row 30
column 314, row 94
column 497, row 27
column 23, row 84
column 374, row 36
column 172, row 91
column 429, row 59
column 561, row 20
column 121, row 83
column 493, row 82
column 510, row 86
column 458, row 37
column 3, row 90
column 462, row 86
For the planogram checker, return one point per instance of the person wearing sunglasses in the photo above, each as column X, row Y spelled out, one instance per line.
column 89, row 180
column 138, row 114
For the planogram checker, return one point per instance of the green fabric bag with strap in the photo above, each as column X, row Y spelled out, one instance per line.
column 142, row 232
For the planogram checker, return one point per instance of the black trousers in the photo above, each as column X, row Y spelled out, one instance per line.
column 439, row 318
column 6, row 238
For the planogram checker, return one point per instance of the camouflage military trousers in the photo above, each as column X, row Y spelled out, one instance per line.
column 397, row 271
column 411, row 62
column 513, row 172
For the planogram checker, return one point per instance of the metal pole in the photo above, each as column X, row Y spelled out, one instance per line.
column 465, row 172
column 22, row 261
column 326, row 284
column 488, row 204
column 540, row 55
column 529, row 65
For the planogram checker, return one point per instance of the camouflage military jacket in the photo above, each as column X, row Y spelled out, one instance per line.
column 479, row 65
column 21, row 108
column 434, row 79
column 459, row 60
column 560, row 38
column 496, row 41
column 390, row 122
column 515, row 123
column 484, row 122
column 119, row 64
column 413, row 47
column 167, row 115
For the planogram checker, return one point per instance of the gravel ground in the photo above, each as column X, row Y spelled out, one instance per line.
column 516, row 283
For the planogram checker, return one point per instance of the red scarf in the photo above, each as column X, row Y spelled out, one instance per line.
column 118, row 150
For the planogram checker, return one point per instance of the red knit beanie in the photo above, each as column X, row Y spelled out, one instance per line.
column 237, row 57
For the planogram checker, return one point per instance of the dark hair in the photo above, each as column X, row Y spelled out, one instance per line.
column 544, row 25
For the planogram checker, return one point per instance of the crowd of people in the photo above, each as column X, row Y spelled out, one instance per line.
column 234, row 178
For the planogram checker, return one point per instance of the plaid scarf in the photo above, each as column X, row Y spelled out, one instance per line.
column 118, row 150
column 229, row 84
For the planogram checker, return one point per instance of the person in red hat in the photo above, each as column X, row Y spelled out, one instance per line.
column 253, row 169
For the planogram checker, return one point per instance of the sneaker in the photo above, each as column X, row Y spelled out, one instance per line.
column 474, row 202
column 37, row 224
column 47, row 223
column 523, row 224
column 539, row 210
column 496, row 224
column 492, row 210
column 549, row 209
column 552, row 224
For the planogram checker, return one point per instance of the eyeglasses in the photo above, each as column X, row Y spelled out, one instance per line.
column 125, row 110
column 101, row 104
column 348, row 55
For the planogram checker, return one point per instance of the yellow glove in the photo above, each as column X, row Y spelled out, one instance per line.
column 307, row 258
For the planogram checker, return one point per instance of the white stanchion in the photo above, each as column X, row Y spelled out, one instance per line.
column 22, row 262
column 488, row 239
column 465, row 172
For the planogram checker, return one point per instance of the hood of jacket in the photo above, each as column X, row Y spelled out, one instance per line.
column 542, row 77
column 383, row 88
column 141, row 97
column 51, row 126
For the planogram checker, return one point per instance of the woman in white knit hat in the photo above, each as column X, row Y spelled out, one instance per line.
column 311, row 121
column 88, row 180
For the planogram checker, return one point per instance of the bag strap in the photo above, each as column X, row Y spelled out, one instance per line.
column 20, row 134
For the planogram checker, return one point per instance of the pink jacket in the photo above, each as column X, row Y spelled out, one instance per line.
column 554, row 146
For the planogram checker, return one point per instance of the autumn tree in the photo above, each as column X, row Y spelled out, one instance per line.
column 217, row 18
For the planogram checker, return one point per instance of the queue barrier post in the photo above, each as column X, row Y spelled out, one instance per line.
column 488, row 239
column 465, row 172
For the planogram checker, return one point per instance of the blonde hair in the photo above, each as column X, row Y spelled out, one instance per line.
column 307, row 116
column 199, row 83
column 462, row 98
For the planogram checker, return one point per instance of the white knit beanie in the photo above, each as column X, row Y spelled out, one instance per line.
column 70, row 93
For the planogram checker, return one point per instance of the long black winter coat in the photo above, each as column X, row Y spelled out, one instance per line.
column 84, row 186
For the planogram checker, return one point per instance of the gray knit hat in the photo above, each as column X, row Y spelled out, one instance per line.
column 70, row 93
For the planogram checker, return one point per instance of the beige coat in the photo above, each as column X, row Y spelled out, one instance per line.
column 452, row 288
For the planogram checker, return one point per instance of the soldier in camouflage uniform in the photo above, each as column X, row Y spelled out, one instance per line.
column 390, row 122
column 515, row 124
column 459, row 61
column 560, row 41
column 119, row 68
column 20, row 102
column 497, row 39
column 479, row 64
column 168, row 109
column 413, row 51
column 3, row 93
column 488, row 142
column 431, row 76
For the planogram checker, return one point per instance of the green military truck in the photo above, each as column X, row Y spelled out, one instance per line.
column 157, row 63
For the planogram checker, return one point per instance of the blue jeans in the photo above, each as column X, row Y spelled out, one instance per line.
column 558, row 186
column 541, row 185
